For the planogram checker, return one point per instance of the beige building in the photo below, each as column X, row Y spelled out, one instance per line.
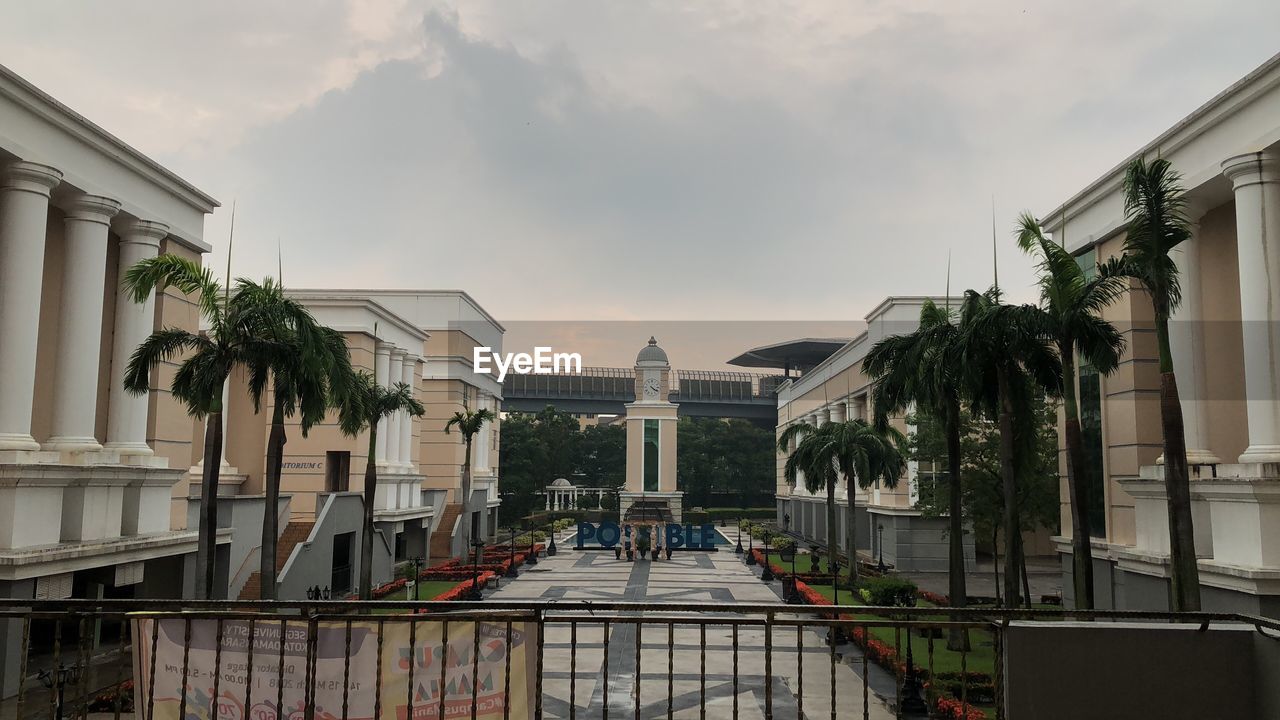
column 1225, row 339
column 87, row 470
column 423, row 339
column 833, row 388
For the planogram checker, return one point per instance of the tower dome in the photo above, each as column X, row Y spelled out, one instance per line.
column 652, row 354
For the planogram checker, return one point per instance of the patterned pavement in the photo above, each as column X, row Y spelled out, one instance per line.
column 696, row 663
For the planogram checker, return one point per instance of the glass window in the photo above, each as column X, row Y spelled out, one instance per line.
column 651, row 455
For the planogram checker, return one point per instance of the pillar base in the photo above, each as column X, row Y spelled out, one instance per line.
column 130, row 449
column 1260, row 454
column 18, row 441
column 72, row 445
column 1196, row 457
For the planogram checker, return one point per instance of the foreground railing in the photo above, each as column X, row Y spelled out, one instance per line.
column 344, row 660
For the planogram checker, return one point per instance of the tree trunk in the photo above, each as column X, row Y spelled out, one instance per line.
column 207, row 543
column 1008, row 474
column 958, row 638
column 1078, row 477
column 1022, row 567
column 466, row 498
column 851, row 537
column 370, row 493
column 832, row 549
column 270, row 512
column 1185, row 573
column 995, row 559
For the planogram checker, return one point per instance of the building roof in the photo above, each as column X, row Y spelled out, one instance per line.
column 652, row 353
column 803, row 353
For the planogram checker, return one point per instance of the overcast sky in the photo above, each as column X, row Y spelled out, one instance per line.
column 636, row 159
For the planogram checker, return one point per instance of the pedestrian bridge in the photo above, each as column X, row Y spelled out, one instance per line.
column 606, row 391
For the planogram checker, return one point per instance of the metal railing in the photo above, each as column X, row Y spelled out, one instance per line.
column 576, row 659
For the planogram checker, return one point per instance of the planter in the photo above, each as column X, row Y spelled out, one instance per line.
column 668, row 553
column 617, row 553
column 655, row 554
column 630, row 555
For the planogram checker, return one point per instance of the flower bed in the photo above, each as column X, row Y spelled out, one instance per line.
column 105, row 701
column 945, row 686
column 459, row 591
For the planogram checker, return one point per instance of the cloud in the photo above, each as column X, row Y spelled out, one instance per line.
column 632, row 160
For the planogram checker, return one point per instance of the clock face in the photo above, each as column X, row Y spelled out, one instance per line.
column 651, row 387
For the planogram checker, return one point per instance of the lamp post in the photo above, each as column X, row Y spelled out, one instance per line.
column 417, row 576
column 911, row 700
column 511, row 566
column 795, row 596
column 738, row 550
column 551, row 548
column 58, row 679
column 475, row 571
column 766, row 574
column 751, row 542
column 532, row 559
column 880, row 543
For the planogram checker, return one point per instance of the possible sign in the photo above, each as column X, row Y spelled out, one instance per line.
column 608, row 534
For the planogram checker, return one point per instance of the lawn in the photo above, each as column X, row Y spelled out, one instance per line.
column 803, row 563
column 427, row 589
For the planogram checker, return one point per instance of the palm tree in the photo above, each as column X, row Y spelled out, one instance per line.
column 1072, row 302
column 922, row 368
column 1006, row 361
column 233, row 339
column 364, row 404
column 469, row 422
column 1155, row 208
column 308, row 373
column 851, row 450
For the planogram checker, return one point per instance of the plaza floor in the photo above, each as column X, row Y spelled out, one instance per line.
column 696, row 662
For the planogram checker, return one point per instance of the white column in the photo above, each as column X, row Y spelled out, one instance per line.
column 126, row 412
column 84, row 265
column 836, row 412
column 409, row 377
column 381, row 371
column 1186, row 342
column 24, row 211
column 395, row 372
column 1256, row 179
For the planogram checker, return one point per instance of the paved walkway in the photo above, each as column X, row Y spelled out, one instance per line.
column 697, row 662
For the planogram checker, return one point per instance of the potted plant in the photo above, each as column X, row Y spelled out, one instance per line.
column 668, row 552
column 617, row 552
column 786, row 549
column 642, row 545
column 813, row 558
column 655, row 553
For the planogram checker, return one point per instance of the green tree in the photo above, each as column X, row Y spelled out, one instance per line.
column 1072, row 302
column 849, row 451
column 307, row 367
column 604, row 455
column 1155, row 209
column 1007, row 362
column 363, row 406
column 923, row 368
column 468, row 422
column 233, row 339
column 520, row 476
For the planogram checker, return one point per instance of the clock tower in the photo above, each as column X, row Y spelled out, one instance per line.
column 650, row 492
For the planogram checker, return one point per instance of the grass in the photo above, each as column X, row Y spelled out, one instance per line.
column 803, row 564
column 980, row 658
column 427, row 589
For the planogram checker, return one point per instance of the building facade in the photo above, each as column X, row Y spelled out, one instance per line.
column 886, row 522
column 1225, row 342
column 418, row 338
column 87, row 470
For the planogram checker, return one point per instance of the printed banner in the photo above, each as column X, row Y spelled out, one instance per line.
column 261, row 689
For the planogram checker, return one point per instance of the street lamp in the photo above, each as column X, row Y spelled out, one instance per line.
column 417, row 576
column 911, row 700
column 511, row 566
column 532, row 559
column 59, row 678
column 767, row 573
column 738, row 550
column 751, row 542
column 551, row 549
column 880, row 542
column 475, row 571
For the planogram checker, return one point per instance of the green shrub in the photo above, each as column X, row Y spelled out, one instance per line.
column 889, row 591
column 697, row 517
column 744, row 525
column 763, row 513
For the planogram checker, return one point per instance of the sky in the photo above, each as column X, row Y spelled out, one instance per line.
column 637, row 160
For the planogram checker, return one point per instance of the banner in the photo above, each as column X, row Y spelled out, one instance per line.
column 364, row 685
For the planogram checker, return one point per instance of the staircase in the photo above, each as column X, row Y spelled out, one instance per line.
column 442, row 538
column 297, row 531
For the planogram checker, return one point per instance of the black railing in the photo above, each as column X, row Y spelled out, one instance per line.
column 574, row 659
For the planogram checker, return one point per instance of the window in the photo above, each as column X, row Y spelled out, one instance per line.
column 651, row 455
column 337, row 471
column 1090, row 401
column 343, row 551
